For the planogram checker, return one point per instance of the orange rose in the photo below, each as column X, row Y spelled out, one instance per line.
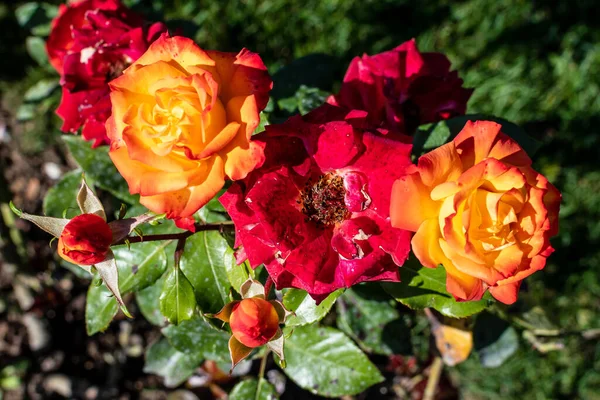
column 181, row 123
column 254, row 321
column 480, row 210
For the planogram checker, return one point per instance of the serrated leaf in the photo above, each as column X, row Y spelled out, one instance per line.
column 100, row 308
column 97, row 165
column 253, row 389
column 326, row 362
column 148, row 301
column 422, row 287
column 172, row 365
column 63, row 195
column 368, row 316
column 305, row 308
column 177, row 302
column 203, row 262
column 494, row 340
column 141, row 265
column 41, row 90
column 198, row 337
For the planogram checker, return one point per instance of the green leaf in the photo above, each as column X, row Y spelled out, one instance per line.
column 253, row 389
column 172, row 365
column 237, row 274
column 36, row 47
column 435, row 135
column 63, row 195
column 141, row 265
column 148, row 301
column 305, row 308
column 198, row 337
column 26, row 12
column 369, row 317
column 41, row 90
column 304, row 100
column 177, row 302
column 326, row 362
column 98, row 166
column 203, row 262
column 494, row 340
column 100, row 308
column 426, row 287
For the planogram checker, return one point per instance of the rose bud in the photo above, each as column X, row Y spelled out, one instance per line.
column 254, row 322
column 85, row 240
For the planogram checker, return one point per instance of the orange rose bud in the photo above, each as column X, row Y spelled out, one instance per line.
column 479, row 209
column 254, row 322
column 85, row 240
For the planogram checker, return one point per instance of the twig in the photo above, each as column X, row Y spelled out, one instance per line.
column 176, row 236
column 434, row 378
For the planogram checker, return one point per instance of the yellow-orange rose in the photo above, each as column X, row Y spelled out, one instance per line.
column 181, row 123
column 480, row 210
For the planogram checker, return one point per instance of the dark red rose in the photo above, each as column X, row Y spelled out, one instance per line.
column 403, row 88
column 92, row 42
column 317, row 212
column 85, row 240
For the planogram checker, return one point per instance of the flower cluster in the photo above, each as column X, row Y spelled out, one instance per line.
column 91, row 43
column 324, row 200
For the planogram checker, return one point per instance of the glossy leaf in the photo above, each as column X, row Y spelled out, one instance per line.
column 494, row 340
column 237, row 274
column 97, row 165
column 172, row 365
column 148, row 301
column 422, row 287
column 198, row 337
column 326, row 362
column 203, row 262
column 253, row 389
column 370, row 317
column 100, row 308
column 177, row 302
column 305, row 309
column 140, row 265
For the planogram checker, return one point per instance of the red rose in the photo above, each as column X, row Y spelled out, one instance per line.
column 92, row 42
column 402, row 88
column 254, row 322
column 85, row 240
column 317, row 212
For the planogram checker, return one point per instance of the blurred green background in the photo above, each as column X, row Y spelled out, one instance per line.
column 536, row 63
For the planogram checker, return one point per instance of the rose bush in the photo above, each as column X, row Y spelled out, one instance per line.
column 181, row 123
column 480, row 210
column 403, row 88
column 92, row 42
column 317, row 212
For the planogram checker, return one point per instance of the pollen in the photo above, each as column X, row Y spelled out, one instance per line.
column 323, row 200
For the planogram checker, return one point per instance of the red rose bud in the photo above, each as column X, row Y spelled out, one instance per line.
column 85, row 240
column 403, row 88
column 92, row 42
column 254, row 321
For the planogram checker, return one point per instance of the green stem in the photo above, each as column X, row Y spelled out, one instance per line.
column 434, row 378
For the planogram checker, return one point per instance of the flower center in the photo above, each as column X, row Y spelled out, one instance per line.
column 323, row 201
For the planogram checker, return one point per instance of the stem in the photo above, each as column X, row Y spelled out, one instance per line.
column 434, row 378
column 263, row 364
column 179, row 251
column 177, row 236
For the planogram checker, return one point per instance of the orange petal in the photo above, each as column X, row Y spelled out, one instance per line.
column 506, row 293
column 425, row 244
column 411, row 203
column 440, row 165
column 482, row 139
column 180, row 49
